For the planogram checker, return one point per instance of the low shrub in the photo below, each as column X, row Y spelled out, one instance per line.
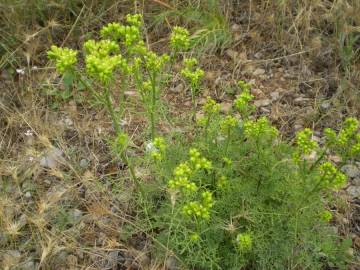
column 234, row 195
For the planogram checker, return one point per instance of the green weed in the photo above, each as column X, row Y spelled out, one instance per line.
column 235, row 195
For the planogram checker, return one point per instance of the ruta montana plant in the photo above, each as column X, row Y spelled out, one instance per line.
column 237, row 196
column 193, row 76
column 232, row 194
column 117, row 62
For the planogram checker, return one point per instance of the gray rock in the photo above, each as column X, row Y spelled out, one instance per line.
column 351, row 171
column 11, row 257
column 356, row 181
column 225, row 107
column 259, row 71
column 265, row 110
column 29, row 265
column 22, row 221
column 68, row 122
column 130, row 93
column 3, row 239
column 51, row 158
column 298, row 127
column 76, row 215
column 301, row 100
column 262, row 102
column 84, row 163
column 177, row 89
column 353, row 191
column 172, row 263
column 275, row 95
column 61, row 257
column 235, row 27
column 112, row 260
column 325, row 105
column 27, row 186
column 232, row 54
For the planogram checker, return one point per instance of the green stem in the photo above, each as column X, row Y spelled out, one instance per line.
column 320, row 158
column 111, row 111
column 123, row 87
column 193, row 99
column 227, row 141
column 132, row 173
column 107, row 101
column 89, row 87
column 258, row 160
column 153, row 104
column 316, row 187
column 207, row 127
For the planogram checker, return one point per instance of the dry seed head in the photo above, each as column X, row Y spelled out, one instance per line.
column 173, row 194
column 48, row 248
column 43, row 206
column 230, row 227
column 13, row 228
column 39, row 221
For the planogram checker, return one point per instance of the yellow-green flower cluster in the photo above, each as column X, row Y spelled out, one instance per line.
column 244, row 242
column 129, row 34
column 211, row 107
column 194, row 237
column 179, row 39
column 181, row 180
column 184, row 171
column 331, row 177
column 348, row 139
column 200, row 209
column 121, row 142
column 146, row 87
column 101, row 59
column 191, row 74
column 113, row 31
column 355, row 148
column 351, row 126
column 65, row 58
column 154, row 62
column 227, row 161
column 244, row 85
column 222, row 182
column 134, row 19
column 183, row 184
column 228, row 123
column 160, row 147
column 102, row 48
column 326, row 216
column 207, row 199
column 304, row 142
column 198, row 162
column 330, row 136
column 259, row 128
column 242, row 101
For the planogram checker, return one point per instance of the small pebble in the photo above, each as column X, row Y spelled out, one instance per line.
column 259, row 71
column 262, row 102
column 351, row 171
column 84, row 163
column 275, row 95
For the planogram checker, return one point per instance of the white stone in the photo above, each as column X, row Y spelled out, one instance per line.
column 259, row 71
